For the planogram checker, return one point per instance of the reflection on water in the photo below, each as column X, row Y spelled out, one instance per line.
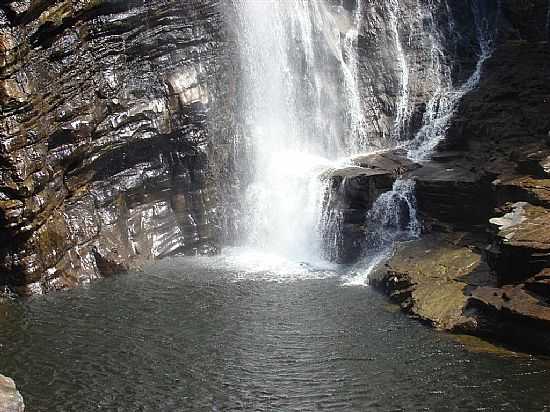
column 188, row 334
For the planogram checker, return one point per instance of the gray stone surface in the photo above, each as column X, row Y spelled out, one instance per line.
column 10, row 399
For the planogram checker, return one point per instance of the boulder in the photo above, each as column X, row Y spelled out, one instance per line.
column 431, row 278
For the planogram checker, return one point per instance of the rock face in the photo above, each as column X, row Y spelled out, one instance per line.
column 488, row 179
column 10, row 399
column 104, row 136
column 521, row 246
column 432, row 277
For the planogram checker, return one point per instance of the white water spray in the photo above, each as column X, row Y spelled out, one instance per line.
column 443, row 105
column 302, row 112
column 402, row 104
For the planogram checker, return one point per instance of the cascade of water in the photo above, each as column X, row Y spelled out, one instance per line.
column 402, row 104
column 393, row 216
column 299, row 60
column 302, row 112
column 442, row 107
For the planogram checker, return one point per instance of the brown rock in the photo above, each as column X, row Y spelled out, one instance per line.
column 522, row 243
column 431, row 278
column 452, row 194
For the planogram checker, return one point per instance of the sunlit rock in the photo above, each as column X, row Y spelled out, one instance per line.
column 10, row 399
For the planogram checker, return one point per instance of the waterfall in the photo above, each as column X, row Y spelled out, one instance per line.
column 302, row 112
column 443, row 105
column 393, row 215
column 302, row 116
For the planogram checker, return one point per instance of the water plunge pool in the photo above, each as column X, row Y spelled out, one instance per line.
column 204, row 334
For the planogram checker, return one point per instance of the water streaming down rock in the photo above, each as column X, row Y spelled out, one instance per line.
column 396, row 210
column 443, row 105
column 403, row 109
column 301, row 111
column 393, row 215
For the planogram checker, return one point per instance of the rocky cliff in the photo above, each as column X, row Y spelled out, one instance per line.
column 118, row 135
column 106, row 110
column 482, row 265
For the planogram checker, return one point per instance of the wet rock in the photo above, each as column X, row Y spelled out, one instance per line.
column 393, row 161
column 431, row 278
column 535, row 161
column 452, row 195
column 103, row 130
column 10, row 399
column 351, row 192
column 522, row 188
column 518, row 315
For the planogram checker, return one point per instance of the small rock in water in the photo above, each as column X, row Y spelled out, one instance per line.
column 10, row 399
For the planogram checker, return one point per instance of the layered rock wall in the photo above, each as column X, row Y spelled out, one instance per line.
column 104, row 135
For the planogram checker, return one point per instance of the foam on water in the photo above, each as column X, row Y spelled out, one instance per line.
column 249, row 264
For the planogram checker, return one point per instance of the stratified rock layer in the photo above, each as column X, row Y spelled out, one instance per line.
column 490, row 179
column 104, row 136
column 432, row 277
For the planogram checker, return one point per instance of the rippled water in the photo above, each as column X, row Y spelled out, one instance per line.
column 217, row 334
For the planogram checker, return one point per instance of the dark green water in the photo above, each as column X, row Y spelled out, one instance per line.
column 187, row 335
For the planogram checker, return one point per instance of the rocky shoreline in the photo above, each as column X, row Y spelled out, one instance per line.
column 482, row 264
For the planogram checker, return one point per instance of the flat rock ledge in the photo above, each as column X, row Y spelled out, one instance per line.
column 10, row 399
column 432, row 278
column 448, row 281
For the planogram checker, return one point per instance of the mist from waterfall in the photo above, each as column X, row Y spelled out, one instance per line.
column 302, row 114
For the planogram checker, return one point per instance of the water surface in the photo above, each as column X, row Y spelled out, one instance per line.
column 217, row 334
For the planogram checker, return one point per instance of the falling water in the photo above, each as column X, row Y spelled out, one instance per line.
column 302, row 112
column 443, row 105
column 402, row 115
column 393, row 215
